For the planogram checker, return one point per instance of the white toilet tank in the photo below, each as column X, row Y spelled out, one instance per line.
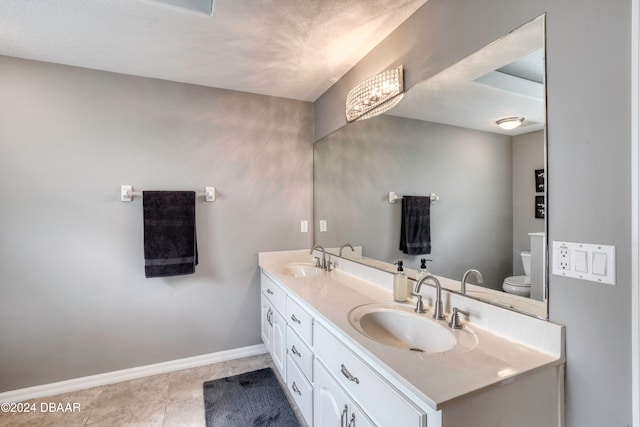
column 526, row 262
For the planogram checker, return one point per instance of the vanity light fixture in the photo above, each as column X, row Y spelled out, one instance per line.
column 375, row 95
column 509, row 123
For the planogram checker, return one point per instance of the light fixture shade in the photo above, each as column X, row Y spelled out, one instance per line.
column 372, row 96
column 509, row 123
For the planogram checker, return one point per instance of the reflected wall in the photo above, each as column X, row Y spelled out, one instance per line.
column 472, row 224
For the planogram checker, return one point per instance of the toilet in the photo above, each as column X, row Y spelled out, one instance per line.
column 520, row 285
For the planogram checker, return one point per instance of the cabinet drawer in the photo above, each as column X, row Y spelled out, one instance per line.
column 300, row 389
column 379, row 399
column 300, row 321
column 300, row 353
column 274, row 293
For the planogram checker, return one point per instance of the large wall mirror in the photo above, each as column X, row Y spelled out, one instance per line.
column 442, row 138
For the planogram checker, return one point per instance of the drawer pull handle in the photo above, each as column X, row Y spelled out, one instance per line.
column 269, row 291
column 353, row 420
column 344, row 413
column 296, row 389
column 295, row 319
column 347, row 374
column 295, row 351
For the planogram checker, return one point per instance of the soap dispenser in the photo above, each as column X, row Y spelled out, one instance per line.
column 423, row 272
column 400, row 284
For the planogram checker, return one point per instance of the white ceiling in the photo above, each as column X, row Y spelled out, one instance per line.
column 289, row 48
column 503, row 79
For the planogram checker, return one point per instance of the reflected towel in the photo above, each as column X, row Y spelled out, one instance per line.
column 170, row 246
column 415, row 225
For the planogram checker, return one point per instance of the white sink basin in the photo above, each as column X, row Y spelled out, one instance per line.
column 301, row 270
column 399, row 326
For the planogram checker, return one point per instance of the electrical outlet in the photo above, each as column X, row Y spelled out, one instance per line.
column 564, row 258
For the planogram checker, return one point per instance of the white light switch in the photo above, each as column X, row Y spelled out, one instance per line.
column 580, row 261
column 600, row 263
column 323, row 225
column 595, row 263
column 304, row 226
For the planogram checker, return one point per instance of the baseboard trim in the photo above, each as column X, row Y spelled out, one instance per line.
column 76, row 384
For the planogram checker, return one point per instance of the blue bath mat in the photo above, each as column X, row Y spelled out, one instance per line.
column 251, row 399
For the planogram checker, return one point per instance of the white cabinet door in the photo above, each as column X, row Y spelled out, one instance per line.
column 265, row 322
column 273, row 329
column 279, row 342
column 331, row 405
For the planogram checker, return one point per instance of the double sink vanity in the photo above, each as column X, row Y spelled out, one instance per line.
column 350, row 356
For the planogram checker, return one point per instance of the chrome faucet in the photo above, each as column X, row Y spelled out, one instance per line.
column 438, row 312
column 324, row 265
column 463, row 284
column 347, row 245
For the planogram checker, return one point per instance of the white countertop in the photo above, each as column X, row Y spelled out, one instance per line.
column 437, row 379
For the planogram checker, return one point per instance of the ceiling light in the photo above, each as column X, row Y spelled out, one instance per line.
column 509, row 123
column 369, row 97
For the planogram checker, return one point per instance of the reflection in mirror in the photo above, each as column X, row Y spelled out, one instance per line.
column 443, row 138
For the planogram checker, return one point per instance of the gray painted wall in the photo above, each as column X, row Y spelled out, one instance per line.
column 528, row 156
column 588, row 173
column 74, row 300
column 355, row 168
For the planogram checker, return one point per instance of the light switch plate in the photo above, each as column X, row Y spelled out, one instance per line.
column 595, row 263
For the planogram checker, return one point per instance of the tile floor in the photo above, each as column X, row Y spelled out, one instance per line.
column 165, row 400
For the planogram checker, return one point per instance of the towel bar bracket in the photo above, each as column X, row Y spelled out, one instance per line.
column 393, row 197
column 127, row 194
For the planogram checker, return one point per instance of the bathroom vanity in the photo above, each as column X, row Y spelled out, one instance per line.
column 352, row 357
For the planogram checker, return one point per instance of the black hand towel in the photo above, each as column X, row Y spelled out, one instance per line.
column 415, row 225
column 170, row 247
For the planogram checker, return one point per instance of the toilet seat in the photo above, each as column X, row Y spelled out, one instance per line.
column 517, row 285
column 518, row 281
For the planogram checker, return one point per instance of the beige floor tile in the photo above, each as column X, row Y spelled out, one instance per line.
column 85, row 399
column 48, row 419
column 187, row 413
column 130, row 397
column 132, row 416
column 5, row 418
column 187, row 384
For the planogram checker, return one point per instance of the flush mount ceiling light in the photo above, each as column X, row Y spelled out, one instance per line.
column 375, row 95
column 509, row 123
